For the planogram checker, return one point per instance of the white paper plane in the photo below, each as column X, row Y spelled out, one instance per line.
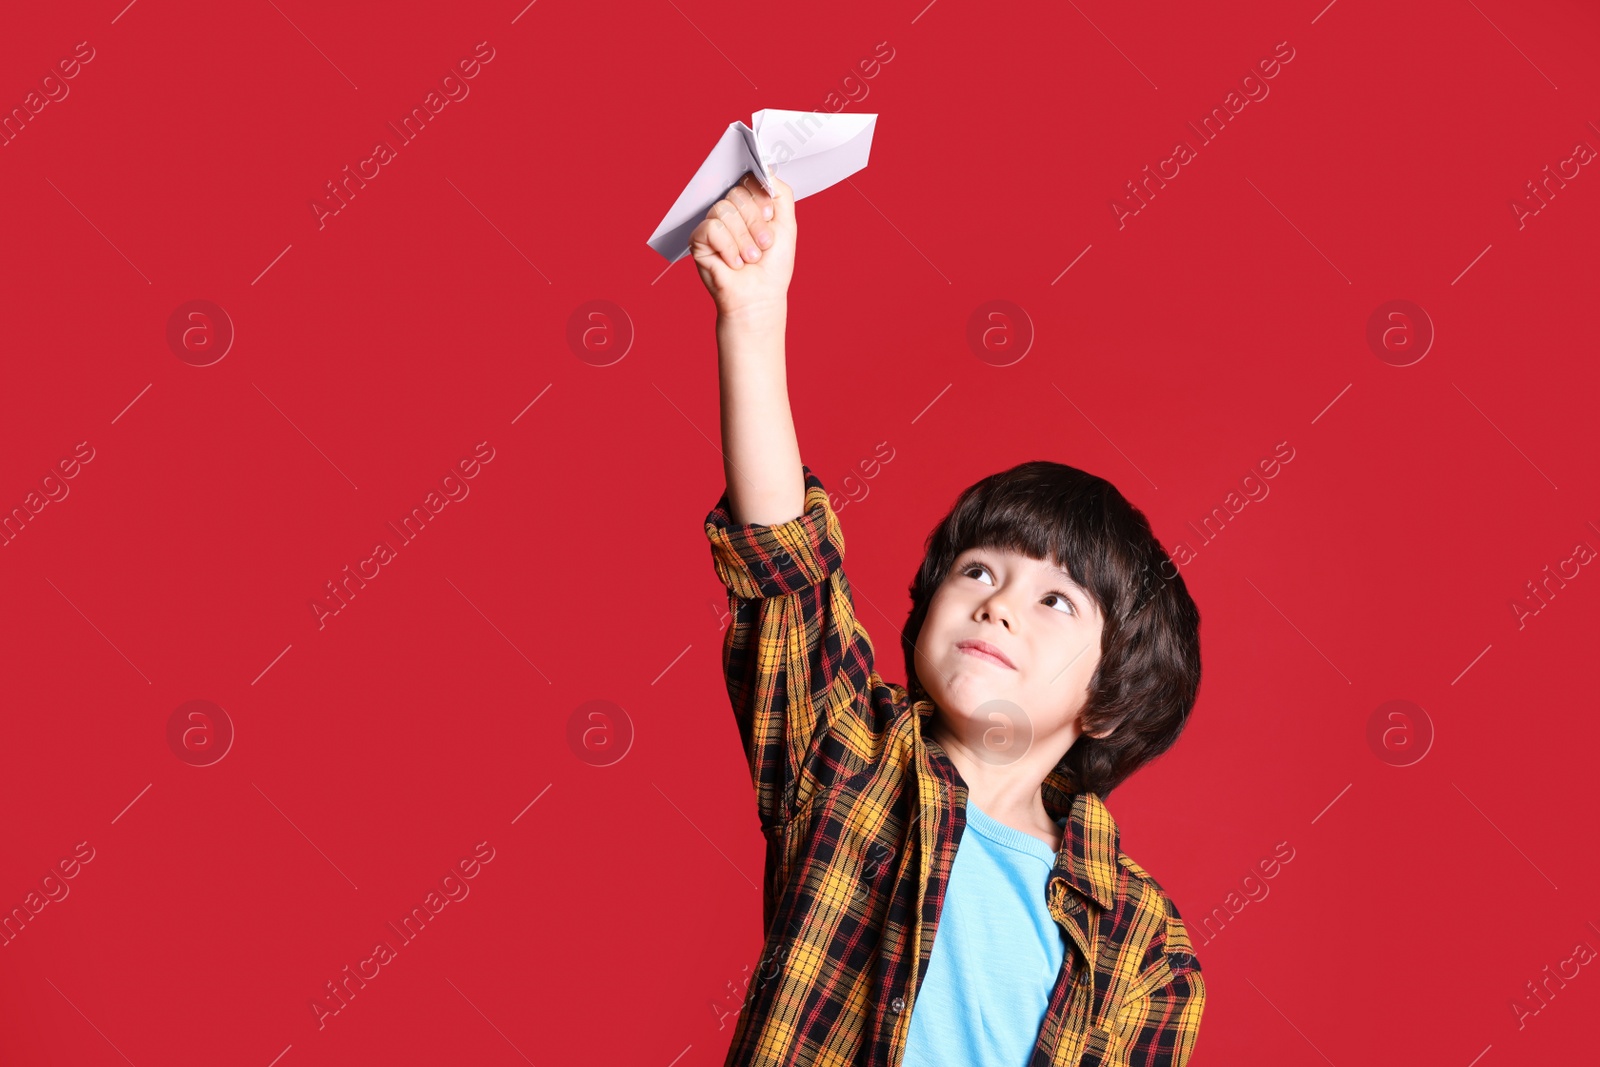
column 813, row 149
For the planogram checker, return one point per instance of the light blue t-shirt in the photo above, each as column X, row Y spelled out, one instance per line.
column 996, row 954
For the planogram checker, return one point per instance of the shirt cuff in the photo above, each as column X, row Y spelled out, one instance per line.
column 769, row 561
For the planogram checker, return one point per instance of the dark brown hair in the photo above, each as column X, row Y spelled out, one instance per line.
column 1149, row 670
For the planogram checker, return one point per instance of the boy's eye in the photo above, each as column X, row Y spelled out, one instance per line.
column 972, row 570
column 1061, row 602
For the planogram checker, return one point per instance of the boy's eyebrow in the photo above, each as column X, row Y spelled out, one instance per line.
column 1074, row 584
column 1067, row 577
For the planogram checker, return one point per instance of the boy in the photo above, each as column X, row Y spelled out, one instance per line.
column 1047, row 658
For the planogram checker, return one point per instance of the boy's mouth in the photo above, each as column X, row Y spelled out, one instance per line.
column 984, row 650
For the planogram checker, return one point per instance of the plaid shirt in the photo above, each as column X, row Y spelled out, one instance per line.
column 863, row 812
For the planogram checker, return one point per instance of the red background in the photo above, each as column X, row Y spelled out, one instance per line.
column 621, row 911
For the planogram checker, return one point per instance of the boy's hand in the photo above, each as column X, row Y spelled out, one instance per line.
column 744, row 249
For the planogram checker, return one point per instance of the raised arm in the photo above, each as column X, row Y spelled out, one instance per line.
column 798, row 664
column 744, row 250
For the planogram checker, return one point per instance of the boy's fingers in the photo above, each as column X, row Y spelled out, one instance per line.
column 723, row 242
column 762, row 198
column 710, row 243
column 732, row 224
column 750, row 211
column 727, row 213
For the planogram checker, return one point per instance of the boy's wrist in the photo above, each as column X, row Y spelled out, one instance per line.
column 754, row 318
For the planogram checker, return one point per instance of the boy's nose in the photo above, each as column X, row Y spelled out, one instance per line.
column 996, row 612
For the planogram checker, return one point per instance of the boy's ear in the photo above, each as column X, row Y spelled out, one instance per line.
column 1105, row 731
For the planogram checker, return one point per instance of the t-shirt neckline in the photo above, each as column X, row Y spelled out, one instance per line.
column 1010, row 837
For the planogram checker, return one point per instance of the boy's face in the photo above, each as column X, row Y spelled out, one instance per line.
column 1036, row 617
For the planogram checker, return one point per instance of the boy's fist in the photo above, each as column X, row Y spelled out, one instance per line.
column 744, row 248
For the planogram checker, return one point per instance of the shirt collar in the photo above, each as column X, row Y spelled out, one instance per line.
column 1090, row 840
column 1089, row 845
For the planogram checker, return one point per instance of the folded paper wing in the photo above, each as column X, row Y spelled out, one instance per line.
column 812, row 149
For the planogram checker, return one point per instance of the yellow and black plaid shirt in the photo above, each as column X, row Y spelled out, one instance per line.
column 863, row 813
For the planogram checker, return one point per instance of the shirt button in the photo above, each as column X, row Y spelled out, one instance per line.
column 898, row 1004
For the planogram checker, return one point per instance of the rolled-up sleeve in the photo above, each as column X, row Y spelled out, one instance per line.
column 798, row 665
